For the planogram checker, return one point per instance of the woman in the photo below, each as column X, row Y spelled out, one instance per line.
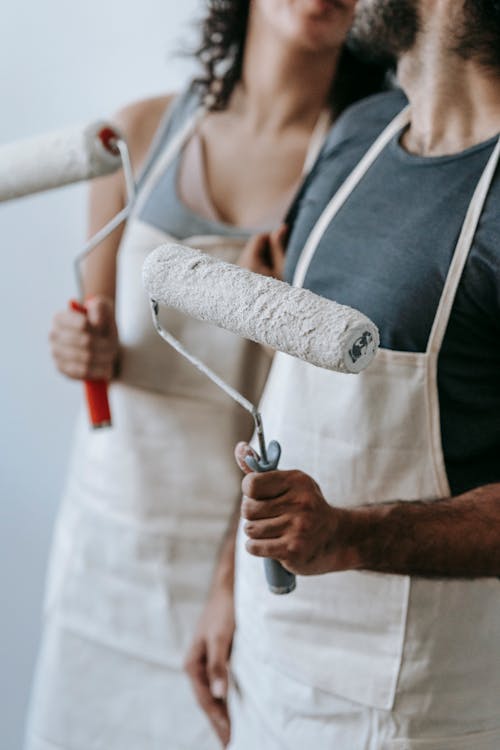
column 148, row 500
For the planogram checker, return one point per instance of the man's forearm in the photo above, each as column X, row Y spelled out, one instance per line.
column 455, row 537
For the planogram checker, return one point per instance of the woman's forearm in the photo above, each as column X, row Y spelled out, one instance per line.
column 224, row 572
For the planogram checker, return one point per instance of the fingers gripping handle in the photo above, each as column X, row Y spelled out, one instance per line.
column 279, row 580
column 96, row 391
column 268, row 463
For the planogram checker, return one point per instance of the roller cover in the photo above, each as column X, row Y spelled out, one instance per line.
column 265, row 310
column 55, row 159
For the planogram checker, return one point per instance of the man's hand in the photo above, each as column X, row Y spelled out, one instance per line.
column 288, row 519
column 208, row 658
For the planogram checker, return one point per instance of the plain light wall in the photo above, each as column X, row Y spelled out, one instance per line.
column 61, row 63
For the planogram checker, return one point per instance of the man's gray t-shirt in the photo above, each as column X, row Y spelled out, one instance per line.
column 387, row 253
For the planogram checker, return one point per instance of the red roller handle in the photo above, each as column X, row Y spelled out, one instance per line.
column 96, row 391
column 108, row 138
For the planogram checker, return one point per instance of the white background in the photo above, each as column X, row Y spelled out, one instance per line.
column 61, row 63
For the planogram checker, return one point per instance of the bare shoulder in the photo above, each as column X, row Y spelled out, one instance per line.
column 139, row 121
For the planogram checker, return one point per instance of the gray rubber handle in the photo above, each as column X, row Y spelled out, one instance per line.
column 279, row 579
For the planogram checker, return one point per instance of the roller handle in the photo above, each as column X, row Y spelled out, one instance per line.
column 96, row 391
column 279, row 579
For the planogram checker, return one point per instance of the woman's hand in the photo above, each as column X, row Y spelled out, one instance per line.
column 85, row 347
column 265, row 253
column 208, row 658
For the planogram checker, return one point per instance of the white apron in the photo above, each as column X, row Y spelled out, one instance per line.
column 145, row 508
column 144, row 512
column 361, row 660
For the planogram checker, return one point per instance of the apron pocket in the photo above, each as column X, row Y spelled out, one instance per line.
column 330, row 633
column 475, row 741
column 132, row 589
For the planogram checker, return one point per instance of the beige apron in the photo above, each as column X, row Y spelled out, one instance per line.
column 145, row 508
column 423, row 654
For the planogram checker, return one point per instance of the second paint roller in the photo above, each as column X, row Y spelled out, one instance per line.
column 55, row 159
column 270, row 312
column 61, row 158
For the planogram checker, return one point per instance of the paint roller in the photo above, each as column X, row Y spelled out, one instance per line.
column 270, row 312
column 61, row 158
column 55, row 159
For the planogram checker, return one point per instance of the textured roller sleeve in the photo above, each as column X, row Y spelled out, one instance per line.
column 56, row 159
column 271, row 312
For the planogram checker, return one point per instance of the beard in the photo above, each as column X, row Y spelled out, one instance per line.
column 384, row 29
column 479, row 36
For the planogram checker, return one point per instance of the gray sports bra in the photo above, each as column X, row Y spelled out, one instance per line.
column 166, row 209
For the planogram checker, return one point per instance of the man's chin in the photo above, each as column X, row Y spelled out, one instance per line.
column 384, row 29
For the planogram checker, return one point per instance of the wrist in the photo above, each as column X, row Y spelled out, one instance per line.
column 370, row 535
column 223, row 579
column 352, row 532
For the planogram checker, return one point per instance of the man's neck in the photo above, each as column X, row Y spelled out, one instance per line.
column 455, row 103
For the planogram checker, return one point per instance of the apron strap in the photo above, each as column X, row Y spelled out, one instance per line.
column 317, row 140
column 167, row 156
column 462, row 250
column 180, row 139
column 340, row 197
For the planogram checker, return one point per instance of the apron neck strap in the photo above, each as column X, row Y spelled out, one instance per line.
column 318, row 136
column 177, row 143
column 340, row 197
column 167, row 156
column 462, row 250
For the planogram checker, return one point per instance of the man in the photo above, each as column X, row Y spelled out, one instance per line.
column 387, row 506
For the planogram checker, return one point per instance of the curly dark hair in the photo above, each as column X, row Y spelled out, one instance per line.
column 221, row 56
column 479, row 37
